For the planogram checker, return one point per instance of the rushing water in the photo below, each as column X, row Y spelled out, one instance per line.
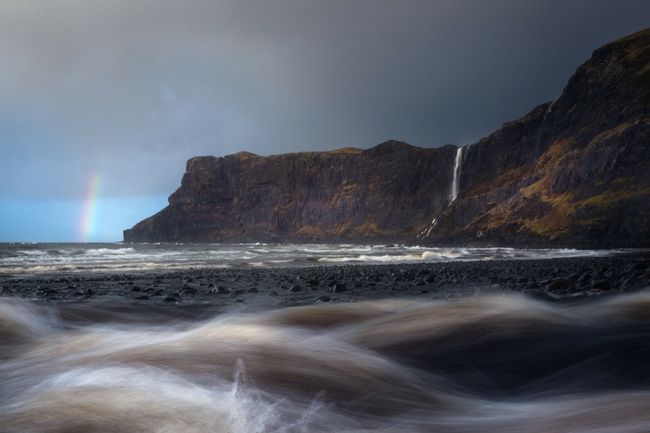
column 481, row 364
column 47, row 258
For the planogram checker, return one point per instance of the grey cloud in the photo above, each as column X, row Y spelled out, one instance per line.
column 134, row 88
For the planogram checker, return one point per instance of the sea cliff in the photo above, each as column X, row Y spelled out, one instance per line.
column 572, row 172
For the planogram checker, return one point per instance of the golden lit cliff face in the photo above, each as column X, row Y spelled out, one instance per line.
column 576, row 171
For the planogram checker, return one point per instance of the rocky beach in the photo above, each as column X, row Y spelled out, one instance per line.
column 559, row 279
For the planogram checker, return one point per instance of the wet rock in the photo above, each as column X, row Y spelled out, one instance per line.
column 189, row 291
column 600, row 284
column 559, row 284
column 51, row 292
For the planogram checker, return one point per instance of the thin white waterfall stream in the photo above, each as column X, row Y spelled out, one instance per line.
column 455, row 182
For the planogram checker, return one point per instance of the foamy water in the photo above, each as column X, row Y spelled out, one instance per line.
column 482, row 364
column 44, row 258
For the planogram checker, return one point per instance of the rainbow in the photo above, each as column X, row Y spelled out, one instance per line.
column 88, row 214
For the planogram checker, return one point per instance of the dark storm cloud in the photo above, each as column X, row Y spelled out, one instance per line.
column 133, row 88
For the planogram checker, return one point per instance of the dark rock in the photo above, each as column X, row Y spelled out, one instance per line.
column 339, row 287
column 559, row 284
column 323, row 298
column 295, row 289
column 600, row 284
column 189, row 291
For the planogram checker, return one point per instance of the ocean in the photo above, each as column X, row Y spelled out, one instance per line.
column 34, row 258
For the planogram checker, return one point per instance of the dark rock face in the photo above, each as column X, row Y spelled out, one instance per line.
column 573, row 172
column 387, row 193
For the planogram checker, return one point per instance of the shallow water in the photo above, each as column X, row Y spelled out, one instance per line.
column 479, row 364
column 49, row 258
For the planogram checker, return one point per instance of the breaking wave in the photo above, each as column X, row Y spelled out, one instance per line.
column 44, row 258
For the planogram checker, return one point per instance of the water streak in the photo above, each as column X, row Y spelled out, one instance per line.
column 491, row 364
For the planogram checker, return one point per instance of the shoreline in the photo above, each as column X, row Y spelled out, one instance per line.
column 554, row 279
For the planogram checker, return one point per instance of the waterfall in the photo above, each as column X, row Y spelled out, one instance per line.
column 427, row 231
column 455, row 182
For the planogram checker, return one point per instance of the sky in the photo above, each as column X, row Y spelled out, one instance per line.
column 102, row 102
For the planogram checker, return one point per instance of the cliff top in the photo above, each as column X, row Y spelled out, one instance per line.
column 388, row 146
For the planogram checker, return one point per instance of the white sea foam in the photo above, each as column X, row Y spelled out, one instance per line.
column 48, row 258
column 108, row 251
